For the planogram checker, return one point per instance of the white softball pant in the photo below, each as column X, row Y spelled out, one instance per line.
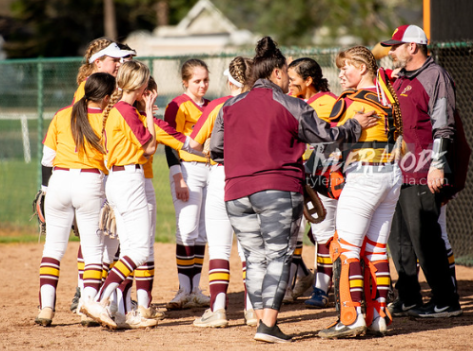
column 366, row 208
column 324, row 230
column 126, row 193
column 68, row 192
column 190, row 215
column 151, row 199
column 219, row 228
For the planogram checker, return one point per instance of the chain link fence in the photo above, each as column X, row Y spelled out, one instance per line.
column 31, row 91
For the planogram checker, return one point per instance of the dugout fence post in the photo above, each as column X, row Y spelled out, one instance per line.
column 150, row 66
column 40, row 83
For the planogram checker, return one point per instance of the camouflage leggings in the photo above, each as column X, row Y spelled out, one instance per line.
column 266, row 224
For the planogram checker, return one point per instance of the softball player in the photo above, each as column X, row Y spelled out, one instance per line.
column 188, row 175
column 306, row 82
column 219, row 229
column 102, row 55
column 144, row 274
column 129, row 137
column 367, row 203
column 72, row 147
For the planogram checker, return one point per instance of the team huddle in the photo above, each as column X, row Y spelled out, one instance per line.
column 242, row 164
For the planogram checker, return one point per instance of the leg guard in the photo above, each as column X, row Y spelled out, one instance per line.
column 347, row 283
column 376, row 288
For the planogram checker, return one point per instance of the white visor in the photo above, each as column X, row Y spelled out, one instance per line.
column 113, row 51
column 232, row 80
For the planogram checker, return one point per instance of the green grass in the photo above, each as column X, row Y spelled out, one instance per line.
column 165, row 215
column 18, row 186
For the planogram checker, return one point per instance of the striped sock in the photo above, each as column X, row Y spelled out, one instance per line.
column 185, row 266
column 120, row 271
column 106, row 267
column 302, row 270
column 324, row 268
column 144, row 277
column 80, row 268
column 219, row 278
column 92, row 280
column 124, row 295
column 48, row 280
column 199, row 251
column 355, row 280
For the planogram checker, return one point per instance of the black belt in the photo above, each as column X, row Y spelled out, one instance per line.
column 372, row 145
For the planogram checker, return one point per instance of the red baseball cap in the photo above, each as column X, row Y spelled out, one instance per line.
column 407, row 33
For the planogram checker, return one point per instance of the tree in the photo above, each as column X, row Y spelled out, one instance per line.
column 64, row 27
column 57, row 28
column 294, row 22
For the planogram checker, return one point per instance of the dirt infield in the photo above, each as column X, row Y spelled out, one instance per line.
column 19, row 300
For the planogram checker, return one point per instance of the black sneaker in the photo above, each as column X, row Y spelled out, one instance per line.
column 432, row 310
column 399, row 308
column 271, row 334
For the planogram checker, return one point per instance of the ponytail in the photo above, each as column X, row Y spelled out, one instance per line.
column 97, row 87
column 81, row 128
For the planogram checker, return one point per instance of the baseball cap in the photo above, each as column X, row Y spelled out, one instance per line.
column 113, row 50
column 407, row 33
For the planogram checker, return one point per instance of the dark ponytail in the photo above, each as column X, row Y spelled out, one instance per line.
column 97, row 87
column 267, row 58
column 306, row 67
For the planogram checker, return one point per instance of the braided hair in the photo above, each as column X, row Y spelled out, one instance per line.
column 306, row 67
column 359, row 55
column 131, row 76
column 88, row 68
column 241, row 69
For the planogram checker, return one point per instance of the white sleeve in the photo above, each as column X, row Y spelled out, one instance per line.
column 175, row 170
column 48, row 156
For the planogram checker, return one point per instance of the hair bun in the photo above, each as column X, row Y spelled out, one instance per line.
column 266, row 47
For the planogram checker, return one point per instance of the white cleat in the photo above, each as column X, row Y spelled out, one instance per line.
column 151, row 313
column 178, row 302
column 197, row 299
column 134, row 320
column 99, row 312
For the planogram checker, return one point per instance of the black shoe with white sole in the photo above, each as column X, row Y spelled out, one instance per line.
column 339, row 330
column 432, row 310
column 400, row 308
column 271, row 334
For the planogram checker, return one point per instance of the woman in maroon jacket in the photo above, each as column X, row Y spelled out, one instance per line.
column 265, row 135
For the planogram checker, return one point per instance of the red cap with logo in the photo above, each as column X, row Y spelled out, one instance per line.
column 408, row 33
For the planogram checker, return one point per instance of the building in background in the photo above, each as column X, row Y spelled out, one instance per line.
column 205, row 29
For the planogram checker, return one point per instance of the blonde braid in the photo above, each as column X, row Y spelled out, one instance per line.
column 236, row 69
column 396, row 111
column 241, row 69
column 116, row 96
column 88, row 68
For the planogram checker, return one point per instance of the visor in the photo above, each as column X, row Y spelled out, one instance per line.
column 113, row 51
